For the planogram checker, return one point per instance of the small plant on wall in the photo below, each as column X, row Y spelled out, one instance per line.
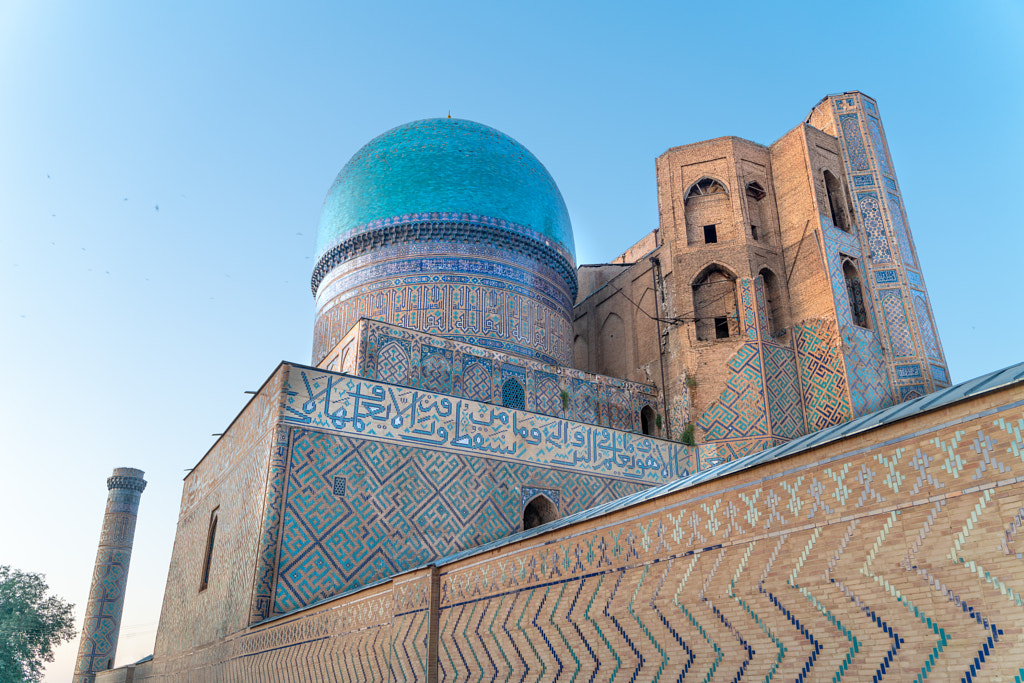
column 657, row 421
column 565, row 400
column 691, row 382
column 686, row 436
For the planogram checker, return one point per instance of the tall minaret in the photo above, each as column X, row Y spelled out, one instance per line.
column 109, row 576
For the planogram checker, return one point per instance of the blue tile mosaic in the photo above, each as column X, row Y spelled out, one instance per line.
column 908, row 371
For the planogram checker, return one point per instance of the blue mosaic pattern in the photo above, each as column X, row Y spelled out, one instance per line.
column 740, row 409
column 436, row 369
column 912, row 391
column 476, row 380
column 410, row 417
column 782, row 389
column 874, row 227
column 444, row 165
column 875, row 131
column 890, row 184
column 901, row 343
column 403, row 507
column 822, row 375
column 548, row 395
column 914, row 279
column 866, row 371
column 864, row 180
column 909, row 371
column 393, row 362
column 929, row 339
column 531, row 492
column 899, row 227
column 887, row 277
column 857, row 154
column 939, row 374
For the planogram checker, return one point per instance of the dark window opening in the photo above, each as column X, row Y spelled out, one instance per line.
column 539, row 511
column 208, row 561
column 714, row 305
column 710, row 234
column 647, row 421
column 836, row 201
column 755, row 191
column 772, row 303
column 856, row 295
column 753, row 232
column 513, row 395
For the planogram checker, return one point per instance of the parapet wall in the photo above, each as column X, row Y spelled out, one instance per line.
column 886, row 555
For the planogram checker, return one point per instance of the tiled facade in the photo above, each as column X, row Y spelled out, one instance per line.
column 886, row 555
column 390, row 353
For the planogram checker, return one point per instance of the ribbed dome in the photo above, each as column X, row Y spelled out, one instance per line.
column 444, row 165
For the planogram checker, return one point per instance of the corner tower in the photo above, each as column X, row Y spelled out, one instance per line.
column 892, row 272
column 452, row 228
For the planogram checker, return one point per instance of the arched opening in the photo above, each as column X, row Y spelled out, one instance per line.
column 755, row 214
column 648, row 421
column 714, row 305
column 540, row 510
column 707, row 211
column 855, row 293
column 836, row 201
column 208, row 560
column 772, row 302
column 614, row 352
column 513, row 395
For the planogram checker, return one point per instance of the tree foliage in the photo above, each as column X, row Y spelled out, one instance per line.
column 32, row 624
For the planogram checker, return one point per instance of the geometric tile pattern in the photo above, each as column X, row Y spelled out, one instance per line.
column 476, row 381
column 858, row 158
column 405, row 416
column 403, row 506
column 875, row 566
column 739, row 410
column 924, row 322
column 867, row 371
column 822, row 375
column 912, row 391
column 393, row 362
column 476, row 293
column 448, row 366
column 900, row 228
column 874, row 227
column 875, row 131
column 436, row 369
column 900, row 342
column 783, row 392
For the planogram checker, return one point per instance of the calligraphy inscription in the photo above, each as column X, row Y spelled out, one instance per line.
column 401, row 415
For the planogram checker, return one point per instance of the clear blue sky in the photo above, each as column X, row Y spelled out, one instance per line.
column 128, row 334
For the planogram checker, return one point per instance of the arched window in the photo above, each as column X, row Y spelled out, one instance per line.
column 647, row 421
column 714, row 304
column 539, row 511
column 836, row 201
column 211, row 536
column 855, row 293
column 705, row 187
column 772, row 302
column 513, row 395
column 755, row 193
column 707, row 211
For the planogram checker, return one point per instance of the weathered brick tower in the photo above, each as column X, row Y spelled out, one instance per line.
column 781, row 293
column 110, row 574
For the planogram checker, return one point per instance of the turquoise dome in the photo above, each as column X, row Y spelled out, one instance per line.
column 444, row 165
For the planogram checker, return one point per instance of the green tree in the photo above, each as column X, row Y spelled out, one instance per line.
column 31, row 625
